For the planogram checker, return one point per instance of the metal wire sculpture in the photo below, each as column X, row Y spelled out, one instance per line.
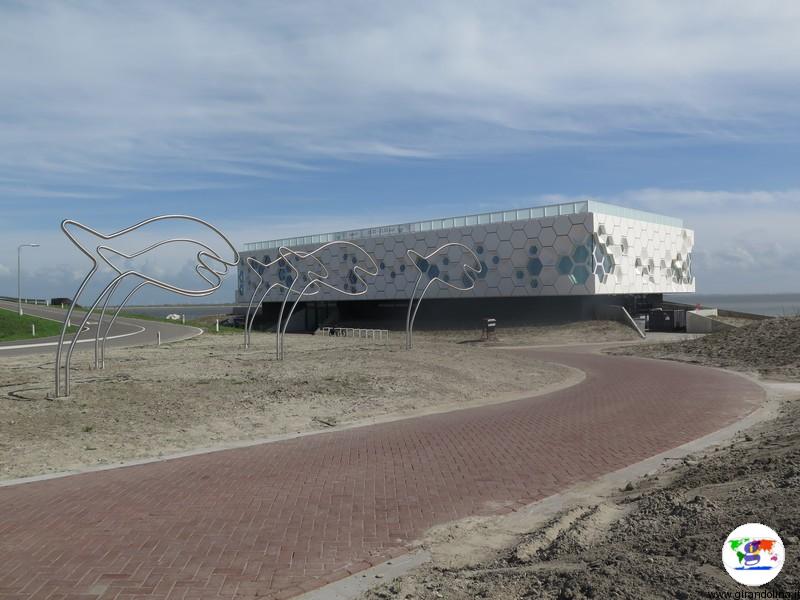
column 422, row 264
column 212, row 267
column 318, row 280
column 259, row 268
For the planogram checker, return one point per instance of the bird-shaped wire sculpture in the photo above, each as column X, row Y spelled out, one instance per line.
column 314, row 280
column 210, row 265
column 424, row 267
column 283, row 281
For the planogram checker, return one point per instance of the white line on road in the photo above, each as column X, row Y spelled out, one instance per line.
column 43, row 344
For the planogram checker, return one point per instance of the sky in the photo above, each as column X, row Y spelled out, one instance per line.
column 271, row 119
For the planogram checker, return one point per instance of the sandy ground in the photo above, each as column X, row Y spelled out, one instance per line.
column 660, row 536
column 571, row 333
column 208, row 391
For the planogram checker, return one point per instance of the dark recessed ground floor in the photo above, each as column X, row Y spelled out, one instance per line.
column 451, row 313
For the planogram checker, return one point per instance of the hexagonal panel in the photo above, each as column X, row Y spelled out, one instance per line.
column 505, row 286
column 532, row 229
column 547, row 236
column 535, row 267
column 563, row 285
column 563, row 245
column 564, row 265
column 562, row 225
column 580, row 274
column 504, row 230
column 578, row 234
column 519, row 239
column 549, row 276
column 491, row 242
column 548, row 256
column 580, row 254
column 432, row 240
column 504, row 249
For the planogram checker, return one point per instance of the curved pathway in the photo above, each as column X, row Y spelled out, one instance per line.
column 278, row 519
column 126, row 332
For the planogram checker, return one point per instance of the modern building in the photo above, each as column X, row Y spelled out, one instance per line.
column 561, row 261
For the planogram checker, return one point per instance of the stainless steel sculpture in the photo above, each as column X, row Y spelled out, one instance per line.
column 212, row 266
column 258, row 268
column 316, row 280
column 422, row 264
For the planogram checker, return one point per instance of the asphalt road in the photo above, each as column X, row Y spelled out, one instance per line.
column 126, row 332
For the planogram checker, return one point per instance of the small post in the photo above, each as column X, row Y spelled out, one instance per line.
column 158, row 337
column 217, row 325
column 33, row 329
column 183, row 319
column 62, row 306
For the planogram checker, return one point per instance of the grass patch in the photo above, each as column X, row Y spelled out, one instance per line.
column 206, row 323
column 14, row 327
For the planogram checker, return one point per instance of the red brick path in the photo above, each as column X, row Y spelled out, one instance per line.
column 277, row 519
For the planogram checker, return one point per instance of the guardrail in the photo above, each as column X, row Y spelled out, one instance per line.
column 35, row 301
column 357, row 332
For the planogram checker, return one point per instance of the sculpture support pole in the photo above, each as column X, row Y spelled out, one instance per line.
column 64, row 328
column 97, row 349
column 278, row 338
column 74, row 343
column 408, row 314
column 247, row 319
column 113, row 319
column 416, row 308
column 291, row 312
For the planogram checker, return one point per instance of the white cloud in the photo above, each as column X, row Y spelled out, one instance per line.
column 125, row 92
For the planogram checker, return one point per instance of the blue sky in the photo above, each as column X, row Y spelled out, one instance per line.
column 272, row 119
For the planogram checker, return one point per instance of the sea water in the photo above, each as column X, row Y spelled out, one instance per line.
column 774, row 305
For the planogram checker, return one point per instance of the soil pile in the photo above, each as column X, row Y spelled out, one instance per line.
column 770, row 347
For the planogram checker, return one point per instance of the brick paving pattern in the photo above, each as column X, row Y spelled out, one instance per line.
column 279, row 519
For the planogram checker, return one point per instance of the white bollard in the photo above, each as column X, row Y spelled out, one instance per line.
column 217, row 325
column 33, row 329
column 183, row 319
column 158, row 337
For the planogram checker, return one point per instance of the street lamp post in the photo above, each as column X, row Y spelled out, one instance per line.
column 19, row 272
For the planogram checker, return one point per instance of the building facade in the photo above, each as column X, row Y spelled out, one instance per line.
column 573, row 249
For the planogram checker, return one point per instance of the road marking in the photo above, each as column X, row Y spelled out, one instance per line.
column 43, row 344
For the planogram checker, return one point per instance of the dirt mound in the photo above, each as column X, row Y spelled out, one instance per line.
column 770, row 347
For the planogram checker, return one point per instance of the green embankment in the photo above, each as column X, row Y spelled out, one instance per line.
column 15, row 327
column 205, row 323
